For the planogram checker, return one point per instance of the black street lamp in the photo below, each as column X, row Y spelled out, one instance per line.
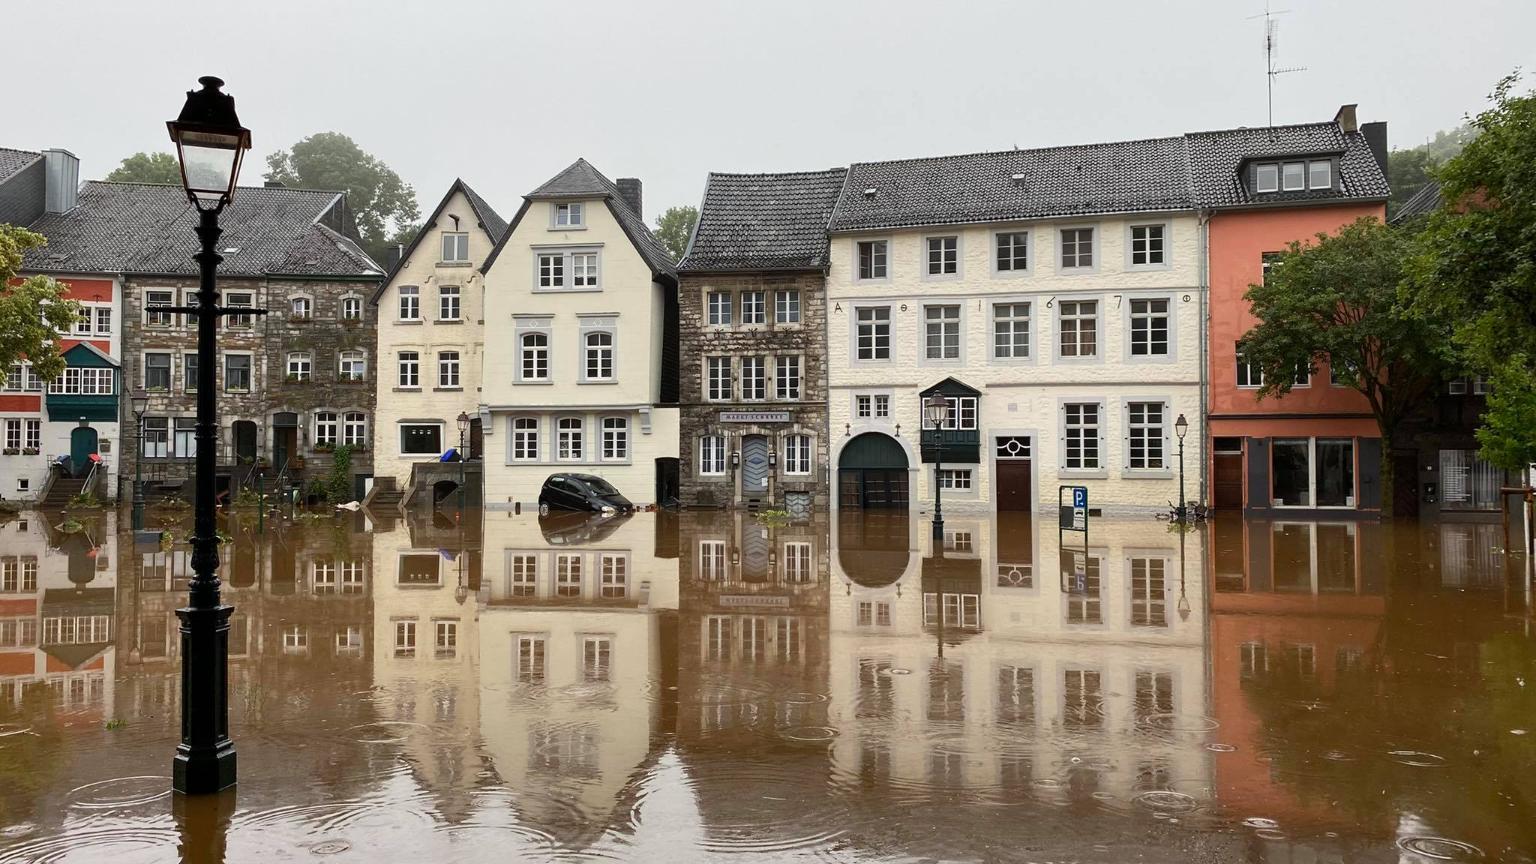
column 463, row 475
column 210, row 142
column 139, row 402
column 1181, row 428
column 935, row 413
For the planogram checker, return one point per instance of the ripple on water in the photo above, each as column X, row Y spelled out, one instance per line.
column 92, row 845
column 1260, row 822
column 334, row 818
column 1166, row 801
column 385, row 731
column 1417, row 758
column 120, row 792
column 1441, row 848
column 1181, row 722
column 1221, row 748
column 809, row 734
column 760, row 807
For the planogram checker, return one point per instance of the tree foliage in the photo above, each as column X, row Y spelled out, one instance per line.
column 1476, row 265
column 380, row 201
column 148, row 168
column 1338, row 299
column 33, row 310
column 675, row 227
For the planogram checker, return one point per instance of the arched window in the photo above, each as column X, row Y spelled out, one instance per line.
column 615, row 439
column 302, row 307
column 352, row 365
column 568, row 443
column 351, row 308
column 797, row 454
column 599, row 365
column 300, row 365
column 325, row 428
column 525, row 439
column 535, row 359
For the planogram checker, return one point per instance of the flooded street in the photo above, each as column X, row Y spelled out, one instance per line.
column 704, row 686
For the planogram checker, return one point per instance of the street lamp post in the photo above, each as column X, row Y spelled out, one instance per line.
column 463, row 473
column 1181, row 428
column 936, row 412
column 139, row 402
column 210, row 143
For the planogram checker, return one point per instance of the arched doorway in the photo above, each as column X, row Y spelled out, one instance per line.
column 83, row 442
column 872, row 472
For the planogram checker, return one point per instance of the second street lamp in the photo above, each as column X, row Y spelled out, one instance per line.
column 139, row 402
column 463, row 474
column 1181, row 428
column 935, row 413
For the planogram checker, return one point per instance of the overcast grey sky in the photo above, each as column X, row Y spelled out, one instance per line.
column 505, row 94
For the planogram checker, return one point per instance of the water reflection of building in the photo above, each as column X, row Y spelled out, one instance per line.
column 58, row 580
column 980, row 665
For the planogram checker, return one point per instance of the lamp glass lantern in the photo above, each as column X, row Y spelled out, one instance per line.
column 210, row 144
column 463, row 423
column 1181, row 427
column 139, row 402
column 936, row 411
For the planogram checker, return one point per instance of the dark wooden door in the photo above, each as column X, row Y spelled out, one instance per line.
column 1228, row 481
column 476, row 438
column 1015, row 485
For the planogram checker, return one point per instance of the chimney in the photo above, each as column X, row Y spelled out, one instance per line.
column 62, row 171
column 1346, row 118
column 629, row 190
column 1376, row 136
column 396, row 252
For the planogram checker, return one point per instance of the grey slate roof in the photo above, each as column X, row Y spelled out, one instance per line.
column 147, row 228
column 1423, row 202
column 494, row 224
column 764, row 222
column 1216, row 157
column 14, row 161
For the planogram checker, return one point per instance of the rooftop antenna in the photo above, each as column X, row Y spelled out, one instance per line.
column 1271, row 48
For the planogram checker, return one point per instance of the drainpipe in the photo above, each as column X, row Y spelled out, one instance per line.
column 1205, row 340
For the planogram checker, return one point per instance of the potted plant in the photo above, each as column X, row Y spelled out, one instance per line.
column 30, row 451
column 10, row 451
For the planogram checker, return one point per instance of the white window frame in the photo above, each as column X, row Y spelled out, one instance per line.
column 944, row 323
column 239, row 321
column 354, row 428
column 754, row 308
column 1164, row 249
column 524, row 438
column 712, row 455
column 526, row 327
column 453, row 247
column 1241, row 366
column 1012, row 320
column 1101, row 456
column 788, row 377
column 170, row 370
column 880, row 248
column 400, row 438
column 1327, row 166
column 718, row 378
column 719, row 308
column 1131, row 318
column 570, row 430
column 754, row 377
column 224, row 372
column 956, row 479
column 327, row 428
column 1094, row 250
column 557, row 267
column 799, row 448
column 787, row 309
column 1164, row 437
column 615, row 444
column 301, row 307
column 855, row 337
column 948, row 258
column 1301, row 176
column 1098, row 329
column 154, row 320
column 408, row 361
column 409, row 306
column 995, row 253
column 588, row 332
column 349, row 304
column 450, row 369
column 300, row 366
column 454, row 295
column 567, row 215
column 352, row 365
column 1266, row 177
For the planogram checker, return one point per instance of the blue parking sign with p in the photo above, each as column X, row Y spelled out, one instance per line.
column 1080, row 496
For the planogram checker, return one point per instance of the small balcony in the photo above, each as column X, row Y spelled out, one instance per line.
column 960, row 446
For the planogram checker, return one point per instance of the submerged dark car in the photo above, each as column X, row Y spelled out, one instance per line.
column 586, row 492
column 565, row 528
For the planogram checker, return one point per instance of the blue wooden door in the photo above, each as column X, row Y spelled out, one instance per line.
column 754, row 466
column 82, row 443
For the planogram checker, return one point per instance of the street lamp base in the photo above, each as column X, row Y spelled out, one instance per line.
column 205, row 770
column 938, row 529
column 205, row 758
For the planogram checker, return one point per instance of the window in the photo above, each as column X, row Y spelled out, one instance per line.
column 524, row 572
column 299, row 366
column 797, row 454
column 863, row 406
column 354, row 429
column 1010, row 331
column 1013, row 447
column 941, row 332
column 712, row 561
column 84, row 381
column 448, row 303
column 615, row 439
column 1149, row 328
column 1305, row 470
column 1249, row 375
column 712, row 454
column 754, row 387
column 613, row 576
column 159, row 318
column 943, row 256
column 1293, row 176
column 103, row 320
column 352, row 365
column 1082, row 436
column 1320, row 174
column 157, row 434
column 12, row 433
column 596, row 657
column 1267, row 178
column 405, row 638
column 569, row 215
column 157, row 371
column 568, row 444
column 421, row 439
column 719, row 303
column 325, row 428
column 446, row 642
column 1303, row 377
column 718, row 370
column 301, row 308
column 351, row 308
column 525, row 439
column 530, row 659
column 455, row 247
column 873, row 334
column 567, row 575
column 955, row 478
column 1341, row 375
column 962, row 413
column 1076, row 248
column 83, row 321
column 34, row 439
column 754, row 307
column 1148, row 593
column 1013, row 252
column 1144, row 435
column 1147, row 245
column 1079, row 328
column 241, row 299
column 535, row 359
column 410, row 303
column 599, row 357
column 584, row 269
column 872, row 259
column 410, row 369
column 551, row 270
column 786, row 306
column 448, row 369
column 786, row 381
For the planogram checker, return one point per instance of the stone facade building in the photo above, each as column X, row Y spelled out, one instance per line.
column 752, row 294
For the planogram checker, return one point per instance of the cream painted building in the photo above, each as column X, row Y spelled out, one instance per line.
column 431, row 333
column 1053, row 297
column 582, row 374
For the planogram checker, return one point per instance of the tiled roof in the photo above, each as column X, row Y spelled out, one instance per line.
column 147, row 228
column 764, row 221
column 1423, row 202
column 494, row 224
column 578, row 179
column 12, row 161
column 1117, row 177
column 1215, row 160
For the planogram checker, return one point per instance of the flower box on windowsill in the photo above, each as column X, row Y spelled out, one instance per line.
column 299, row 319
column 297, row 379
column 30, row 451
column 10, row 451
column 324, row 448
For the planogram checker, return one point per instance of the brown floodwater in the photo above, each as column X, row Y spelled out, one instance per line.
column 706, row 687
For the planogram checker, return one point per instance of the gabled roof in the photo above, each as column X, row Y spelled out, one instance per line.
column 491, row 222
column 1423, row 202
column 764, row 222
column 12, row 162
column 1216, row 160
column 951, row 386
column 148, row 228
column 1117, row 177
column 581, row 180
column 102, row 357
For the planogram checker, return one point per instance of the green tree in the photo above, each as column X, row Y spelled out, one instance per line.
column 1339, row 298
column 675, row 227
column 148, row 168
column 379, row 199
column 1476, row 266
column 33, row 310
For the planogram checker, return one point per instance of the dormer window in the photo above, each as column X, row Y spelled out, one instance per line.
column 1320, row 174
column 1293, row 176
column 455, row 247
column 569, row 215
column 1296, row 176
column 1267, row 178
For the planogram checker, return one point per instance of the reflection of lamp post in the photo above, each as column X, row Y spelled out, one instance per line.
column 1181, row 428
column 1183, row 605
column 463, row 476
column 210, row 143
column 936, row 412
column 139, row 401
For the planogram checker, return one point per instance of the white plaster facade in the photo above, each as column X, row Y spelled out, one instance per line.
column 1025, row 396
column 627, row 306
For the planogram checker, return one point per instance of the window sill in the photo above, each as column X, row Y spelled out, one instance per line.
column 455, row 264
column 406, row 389
column 1144, row 268
column 449, row 321
column 408, row 321
column 1068, row 473
column 1138, row 474
column 1076, row 271
column 585, row 289
column 536, row 383
column 564, row 228
column 608, row 382
column 447, row 389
